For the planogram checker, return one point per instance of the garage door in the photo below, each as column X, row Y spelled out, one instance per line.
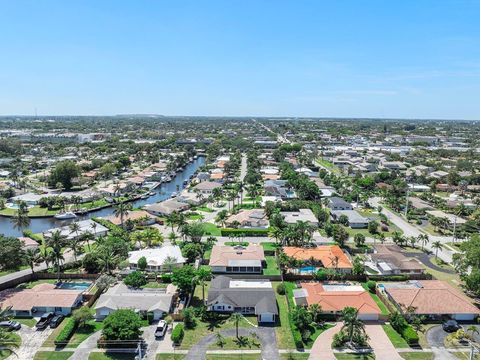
column 266, row 318
column 368, row 317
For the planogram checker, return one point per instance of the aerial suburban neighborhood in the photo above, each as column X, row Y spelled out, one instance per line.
column 240, row 180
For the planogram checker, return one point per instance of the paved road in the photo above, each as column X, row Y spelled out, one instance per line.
column 412, row 230
column 86, row 347
column 266, row 336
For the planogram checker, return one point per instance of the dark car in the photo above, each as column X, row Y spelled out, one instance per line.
column 161, row 329
column 44, row 321
column 10, row 325
column 56, row 320
column 450, row 326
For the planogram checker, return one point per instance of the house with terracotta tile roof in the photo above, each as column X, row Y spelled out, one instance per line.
column 140, row 216
column 40, row 299
column 237, row 259
column 432, row 298
column 326, row 256
column 334, row 297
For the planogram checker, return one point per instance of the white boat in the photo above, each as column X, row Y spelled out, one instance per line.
column 174, row 194
column 65, row 216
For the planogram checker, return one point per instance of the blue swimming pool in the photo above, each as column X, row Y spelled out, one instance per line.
column 74, row 285
column 307, row 269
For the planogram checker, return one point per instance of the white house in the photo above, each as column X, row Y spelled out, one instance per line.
column 156, row 257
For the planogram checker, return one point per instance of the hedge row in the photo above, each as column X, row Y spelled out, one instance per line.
column 244, row 232
column 177, row 334
column 67, row 332
column 410, row 335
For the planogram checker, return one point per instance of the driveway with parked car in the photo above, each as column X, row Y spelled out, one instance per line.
column 32, row 340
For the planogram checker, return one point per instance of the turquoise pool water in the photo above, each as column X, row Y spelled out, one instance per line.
column 307, row 269
column 74, row 285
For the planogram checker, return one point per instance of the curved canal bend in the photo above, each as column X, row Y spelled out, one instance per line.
column 164, row 191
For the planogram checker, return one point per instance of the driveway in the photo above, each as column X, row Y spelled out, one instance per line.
column 435, row 338
column 380, row 343
column 32, row 340
column 322, row 347
column 86, row 346
column 265, row 334
column 425, row 259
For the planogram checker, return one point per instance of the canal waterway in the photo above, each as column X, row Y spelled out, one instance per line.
column 164, row 191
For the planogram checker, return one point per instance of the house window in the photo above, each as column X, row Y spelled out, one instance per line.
column 58, row 309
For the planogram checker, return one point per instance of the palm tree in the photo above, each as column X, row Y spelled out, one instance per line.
column 203, row 274
column 57, row 241
column 413, row 241
column 7, row 343
column 221, row 217
column 121, row 210
column 21, row 219
column 315, row 310
column 74, row 245
column 168, row 263
column 437, row 245
column 423, row 239
column 473, row 329
column 235, row 318
column 33, row 257
column 171, row 220
column 74, row 228
column 352, row 324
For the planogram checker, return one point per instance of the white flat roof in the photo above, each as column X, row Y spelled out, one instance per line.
column 250, row 284
column 340, row 287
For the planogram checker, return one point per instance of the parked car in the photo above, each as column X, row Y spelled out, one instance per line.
column 56, row 320
column 44, row 320
column 450, row 326
column 161, row 329
column 10, row 325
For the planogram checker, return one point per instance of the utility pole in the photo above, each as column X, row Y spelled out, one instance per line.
column 406, row 205
column 454, row 227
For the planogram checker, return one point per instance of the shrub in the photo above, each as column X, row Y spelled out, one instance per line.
column 177, row 334
column 410, row 335
column 142, row 263
column 281, row 289
column 67, row 332
column 123, row 324
column 371, row 286
column 244, row 232
column 297, row 338
column 167, row 278
column 135, row 279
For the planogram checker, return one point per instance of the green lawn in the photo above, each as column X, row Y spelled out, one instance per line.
column 283, row 330
column 461, row 355
column 205, row 209
column 354, row 356
column 269, row 246
column 377, row 300
column 6, row 272
column 232, row 343
column 170, row 356
column 195, row 217
column 110, row 356
column 294, row 356
column 211, row 229
column 30, row 322
column 154, row 285
column 233, row 357
column 236, row 243
column 13, row 339
column 34, row 211
column 394, row 337
column 31, row 284
column 418, row 355
column 53, row 355
column 272, row 266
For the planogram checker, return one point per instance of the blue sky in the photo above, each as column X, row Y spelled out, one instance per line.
column 404, row 58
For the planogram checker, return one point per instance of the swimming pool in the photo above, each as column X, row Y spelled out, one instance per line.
column 74, row 285
column 307, row 269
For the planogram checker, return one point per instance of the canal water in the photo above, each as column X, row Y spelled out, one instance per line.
column 164, row 191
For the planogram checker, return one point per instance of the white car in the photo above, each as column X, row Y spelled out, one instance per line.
column 161, row 329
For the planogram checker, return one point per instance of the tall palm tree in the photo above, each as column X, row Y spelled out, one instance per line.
column 121, row 210
column 168, row 263
column 352, row 324
column 236, row 318
column 437, row 245
column 171, row 220
column 57, row 241
column 203, row 274
column 74, row 245
column 20, row 219
column 221, row 217
column 33, row 257
column 74, row 228
column 423, row 239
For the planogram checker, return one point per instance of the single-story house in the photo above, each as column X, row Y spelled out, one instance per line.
column 85, row 226
column 334, row 297
column 40, row 299
column 157, row 301
column 327, row 256
column 166, row 207
column 307, row 215
column 207, row 187
column 355, row 220
column 28, row 243
column 389, row 260
column 252, row 219
column 237, row 259
column 247, row 297
column 337, row 203
column 140, row 216
column 432, row 298
column 278, row 188
column 158, row 257
column 30, row 199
